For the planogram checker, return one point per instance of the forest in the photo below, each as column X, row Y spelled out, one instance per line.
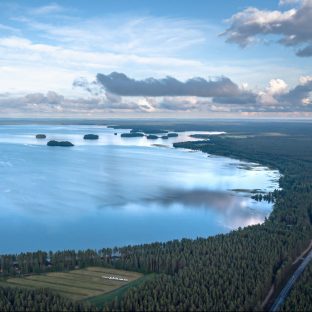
column 228, row 272
column 21, row 299
column 300, row 298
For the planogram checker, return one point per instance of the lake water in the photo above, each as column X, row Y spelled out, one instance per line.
column 118, row 191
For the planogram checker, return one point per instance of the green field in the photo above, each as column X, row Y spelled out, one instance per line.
column 78, row 284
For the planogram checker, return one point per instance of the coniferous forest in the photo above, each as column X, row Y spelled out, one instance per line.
column 230, row 272
column 300, row 298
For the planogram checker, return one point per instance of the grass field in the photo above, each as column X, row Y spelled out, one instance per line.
column 102, row 299
column 78, row 284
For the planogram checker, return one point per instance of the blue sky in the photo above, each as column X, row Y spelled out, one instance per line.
column 46, row 46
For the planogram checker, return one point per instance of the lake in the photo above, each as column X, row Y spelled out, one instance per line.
column 118, row 191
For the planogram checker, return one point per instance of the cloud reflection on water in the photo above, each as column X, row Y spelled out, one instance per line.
column 234, row 210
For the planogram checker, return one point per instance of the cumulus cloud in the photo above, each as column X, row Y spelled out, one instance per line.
column 275, row 88
column 119, row 83
column 301, row 94
column 277, row 97
column 281, row 97
column 54, row 103
column 293, row 26
column 198, row 95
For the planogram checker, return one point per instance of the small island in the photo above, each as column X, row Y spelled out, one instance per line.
column 41, row 136
column 60, row 143
column 200, row 136
column 152, row 137
column 172, row 135
column 91, row 137
column 165, row 137
column 132, row 135
column 149, row 130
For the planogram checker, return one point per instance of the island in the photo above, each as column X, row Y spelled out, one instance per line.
column 200, row 136
column 60, row 143
column 172, row 135
column 152, row 137
column 149, row 130
column 132, row 135
column 41, row 136
column 91, row 137
column 165, row 137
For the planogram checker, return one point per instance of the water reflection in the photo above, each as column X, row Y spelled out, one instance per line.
column 117, row 191
column 235, row 210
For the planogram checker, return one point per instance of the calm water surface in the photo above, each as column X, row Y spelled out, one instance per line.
column 118, row 191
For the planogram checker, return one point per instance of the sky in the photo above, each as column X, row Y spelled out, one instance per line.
column 141, row 58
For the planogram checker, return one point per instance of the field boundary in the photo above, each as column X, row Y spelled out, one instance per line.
column 100, row 300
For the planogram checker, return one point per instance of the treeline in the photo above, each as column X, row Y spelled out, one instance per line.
column 41, row 261
column 21, row 299
column 269, row 197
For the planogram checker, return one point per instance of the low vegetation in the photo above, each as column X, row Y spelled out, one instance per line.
column 77, row 284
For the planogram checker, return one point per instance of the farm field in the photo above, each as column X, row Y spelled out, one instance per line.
column 78, row 284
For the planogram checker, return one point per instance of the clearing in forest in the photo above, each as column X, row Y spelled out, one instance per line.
column 78, row 284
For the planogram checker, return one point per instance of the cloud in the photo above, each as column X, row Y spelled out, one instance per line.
column 292, row 26
column 277, row 97
column 179, row 104
column 286, row 2
column 121, row 33
column 245, row 97
column 200, row 95
column 119, row 83
column 280, row 97
column 56, row 47
column 307, row 51
column 301, row 94
column 275, row 88
column 53, row 103
column 47, row 9
column 8, row 28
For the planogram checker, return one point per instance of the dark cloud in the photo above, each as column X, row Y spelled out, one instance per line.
column 294, row 27
column 245, row 97
column 197, row 94
column 276, row 97
column 297, row 95
column 119, row 83
column 305, row 52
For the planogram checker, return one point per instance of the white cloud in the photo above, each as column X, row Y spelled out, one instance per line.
column 277, row 86
column 292, row 26
column 9, row 28
column 305, row 79
column 122, row 34
column 286, row 2
column 47, row 9
column 57, row 48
